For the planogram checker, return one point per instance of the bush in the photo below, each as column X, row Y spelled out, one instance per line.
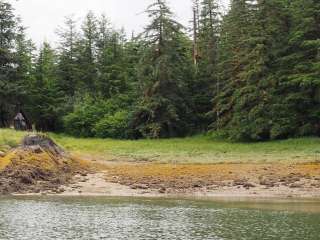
column 82, row 120
column 113, row 126
column 93, row 118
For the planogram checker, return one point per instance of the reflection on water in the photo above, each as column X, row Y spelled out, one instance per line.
column 117, row 218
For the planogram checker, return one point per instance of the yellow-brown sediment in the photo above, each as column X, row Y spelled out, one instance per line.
column 186, row 176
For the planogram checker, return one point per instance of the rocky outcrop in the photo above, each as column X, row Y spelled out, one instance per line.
column 37, row 165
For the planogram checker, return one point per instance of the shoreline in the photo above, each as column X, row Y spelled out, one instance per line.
column 97, row 185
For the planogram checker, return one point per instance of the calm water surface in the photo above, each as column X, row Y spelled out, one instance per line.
column 131, row 219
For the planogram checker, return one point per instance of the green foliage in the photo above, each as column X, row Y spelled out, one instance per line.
column 267, row 82
column 164, row 70
column 9, row 86
column 113, row 126
column 253, row 74
column 46, row 97
column 102, row 118
column 83, row 119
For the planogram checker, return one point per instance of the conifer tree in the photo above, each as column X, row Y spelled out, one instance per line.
column 87, row 58
column 299, row 70
column 47, row 97
column 68, row 64
column 9, row 87
column 110, row 60
column 205, row 84
column 248, row 50
column 164, row 68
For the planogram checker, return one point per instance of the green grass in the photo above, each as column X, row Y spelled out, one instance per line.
column 200, row 149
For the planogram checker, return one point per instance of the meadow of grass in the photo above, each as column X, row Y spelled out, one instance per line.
column 198, row 149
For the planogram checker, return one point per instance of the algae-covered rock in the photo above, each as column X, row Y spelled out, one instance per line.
column 38, row 164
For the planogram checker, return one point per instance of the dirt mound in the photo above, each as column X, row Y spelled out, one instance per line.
column 37, row 165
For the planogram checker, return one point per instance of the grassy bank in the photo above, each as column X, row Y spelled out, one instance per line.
column 201, row 149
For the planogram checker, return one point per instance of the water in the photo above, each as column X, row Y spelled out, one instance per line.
column 119, row 218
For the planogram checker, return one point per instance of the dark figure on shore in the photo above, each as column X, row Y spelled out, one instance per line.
column 21, row 123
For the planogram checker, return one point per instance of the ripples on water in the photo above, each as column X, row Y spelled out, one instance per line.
column 117, row 219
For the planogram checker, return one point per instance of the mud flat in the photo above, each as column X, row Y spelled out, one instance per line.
column 207, row 181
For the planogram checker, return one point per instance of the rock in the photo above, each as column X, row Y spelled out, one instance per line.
column 249, row 185
column 239, row 182
column 37, row 141
column 162, row 190
column 2, row 154
column 140, row 186
column 145, row 192
column 196, row 185
column 213, row 187
column 295, row 185
column 268, row 182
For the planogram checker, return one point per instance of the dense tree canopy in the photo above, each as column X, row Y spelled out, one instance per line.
column 251, row 74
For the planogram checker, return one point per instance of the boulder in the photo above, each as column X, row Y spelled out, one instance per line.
column 38, row 164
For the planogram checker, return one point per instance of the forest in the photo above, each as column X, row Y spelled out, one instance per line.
column 249, row 74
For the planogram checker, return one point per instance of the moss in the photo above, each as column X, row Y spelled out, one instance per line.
column 5, row 161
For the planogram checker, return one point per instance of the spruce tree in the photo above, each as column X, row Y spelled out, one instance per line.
column 47, row 97
column 206, row 84
column 9, row 87
column 87, row 58
column 164, row 68
column 299, row 71
column 232, row 55
column 110, row 60
column 68, row 58
column 250, row 45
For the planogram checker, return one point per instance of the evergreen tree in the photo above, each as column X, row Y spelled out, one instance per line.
column 68, row 66
column 47, row 97
column 164, row 69
column 299, row 70
column 231, row 53
column 9, row 87
column 24, row 73
column 252, row 42
column 110, row 60
column 205, row 84
column 87, row 59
